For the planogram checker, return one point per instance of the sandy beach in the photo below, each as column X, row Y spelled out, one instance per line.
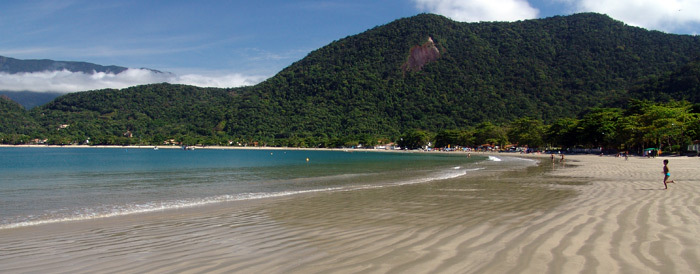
column 589, row 214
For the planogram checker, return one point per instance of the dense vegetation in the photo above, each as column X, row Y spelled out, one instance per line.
column 680, row 84
column 666, row 126
column 143, row 114
column 15, row 122
column 493, row 83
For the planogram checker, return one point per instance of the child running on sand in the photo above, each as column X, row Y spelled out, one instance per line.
column 667, row 173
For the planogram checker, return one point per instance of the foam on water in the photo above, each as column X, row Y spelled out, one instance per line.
column 435, row 177
column 122, row 210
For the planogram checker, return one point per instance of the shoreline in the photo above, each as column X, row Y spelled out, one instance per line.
column 589, row 214
column 199, row 147
column 544, row 156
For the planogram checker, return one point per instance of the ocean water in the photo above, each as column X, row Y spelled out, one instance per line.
column 50, row 185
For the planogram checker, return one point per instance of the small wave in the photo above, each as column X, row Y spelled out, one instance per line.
column 439, row 176
column 430, row 179
column 494, row 159
column 115, row 211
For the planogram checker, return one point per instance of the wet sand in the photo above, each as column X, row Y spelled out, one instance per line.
column 597, row 214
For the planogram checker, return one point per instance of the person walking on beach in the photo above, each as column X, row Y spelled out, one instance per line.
column 667, row 173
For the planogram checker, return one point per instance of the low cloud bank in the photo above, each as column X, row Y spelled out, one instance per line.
column 664, row 15
column 66, row 81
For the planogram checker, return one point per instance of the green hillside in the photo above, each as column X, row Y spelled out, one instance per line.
column 152, row 112
column 15, row 123
column 680, row 84
column 390, row 80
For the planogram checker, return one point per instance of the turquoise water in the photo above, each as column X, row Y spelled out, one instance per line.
column 49, row 185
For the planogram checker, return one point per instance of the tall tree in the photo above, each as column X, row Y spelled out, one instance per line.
column 598, row 128
column 527, row 131
column 414, row 139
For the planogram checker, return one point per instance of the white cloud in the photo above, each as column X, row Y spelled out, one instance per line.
column 67, row 81
column 665, row 15
column 675, row 16
column 480, row 10
column 221, row 81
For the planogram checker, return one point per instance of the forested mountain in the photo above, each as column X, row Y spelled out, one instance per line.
column 14, row 119
column 423, row 72
column 158, row 112
column 547, row 69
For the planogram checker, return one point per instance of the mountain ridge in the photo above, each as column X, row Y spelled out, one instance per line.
column 30, row 99
column 12, row 66
column 493, row 66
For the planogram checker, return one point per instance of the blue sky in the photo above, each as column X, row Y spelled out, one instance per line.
column 233, row 43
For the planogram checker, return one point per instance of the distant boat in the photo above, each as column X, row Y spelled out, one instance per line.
column 155, row 148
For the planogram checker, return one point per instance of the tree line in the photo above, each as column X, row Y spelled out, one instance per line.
column 669, row 126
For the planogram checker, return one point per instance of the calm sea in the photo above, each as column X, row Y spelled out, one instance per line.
column 49, row 185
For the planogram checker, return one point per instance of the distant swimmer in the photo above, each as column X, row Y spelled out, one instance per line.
column 667, row 173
